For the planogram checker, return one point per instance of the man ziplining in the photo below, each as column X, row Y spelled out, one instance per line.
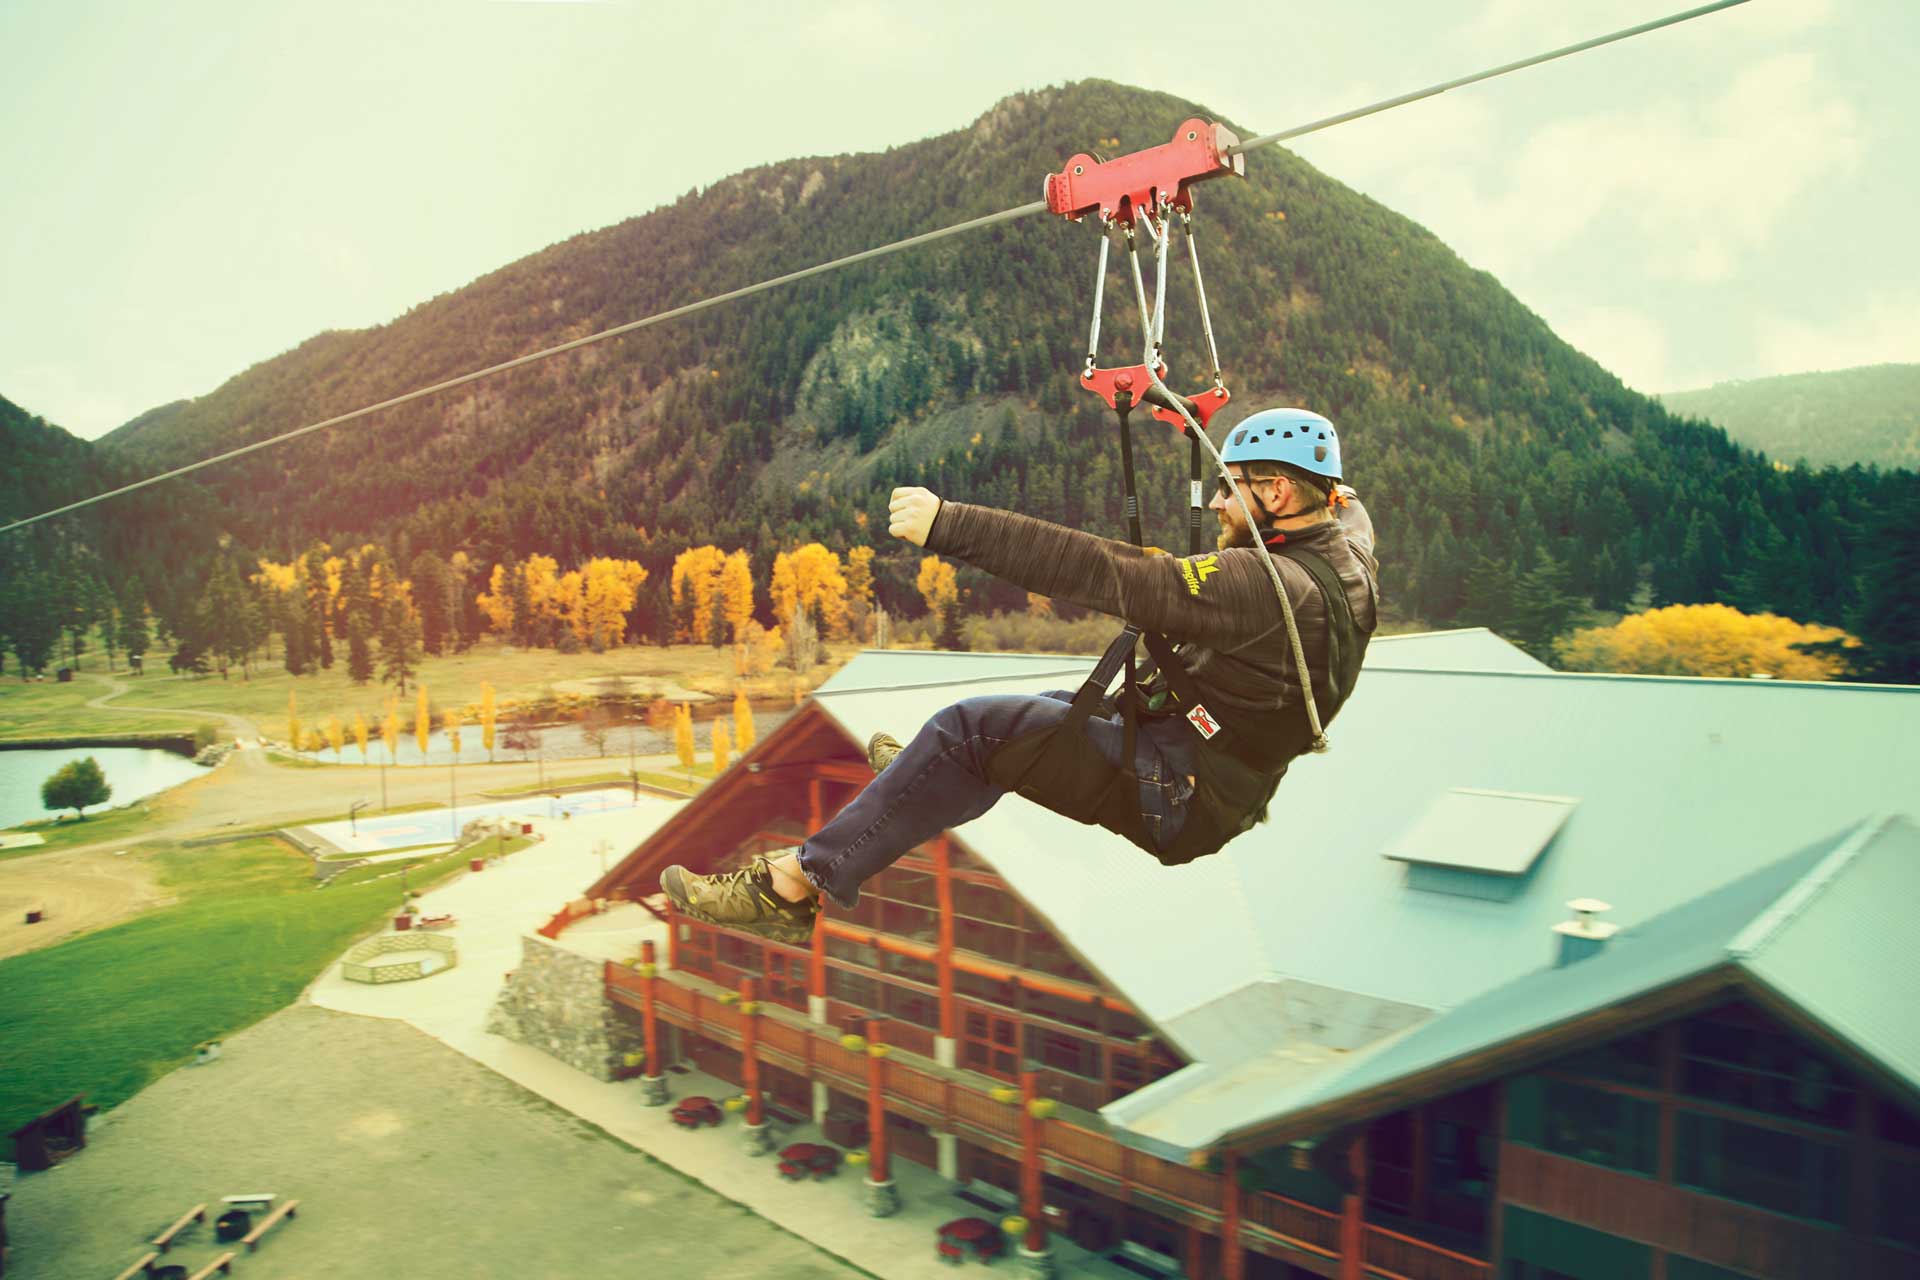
column 1217, row 726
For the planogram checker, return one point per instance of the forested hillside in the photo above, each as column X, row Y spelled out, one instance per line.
column 1869, row 415
column 1512, row 478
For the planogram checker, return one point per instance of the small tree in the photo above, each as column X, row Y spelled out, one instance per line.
column 336, row 737
column 75, row 785
column 722, row 749
column 293, row 720
column 360, row 735
column 594, row 728
column 422, row 721
column 742, row 721
column 390, row 730
column 803, row 641
column 487, row 715
column 683, row 736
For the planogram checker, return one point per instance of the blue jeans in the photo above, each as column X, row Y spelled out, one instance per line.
column 939, row 780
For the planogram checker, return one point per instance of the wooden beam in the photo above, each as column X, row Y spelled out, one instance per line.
column 943, row 888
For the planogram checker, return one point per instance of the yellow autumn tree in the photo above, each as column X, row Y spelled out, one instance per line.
column 422, row 721
column 451, row 721
column 360, row 735
column 1704, row 640
column 542, row 574
column 293, row 720
column 683, row 735
column 742, row 721
column 722, row 748
column 859, row 592
column 390, row 730
column 609, row 589
column 939, row 586
column 736, row 594
column 487, row 714
column 496, row 602
column 336, row 736
column 568, row 601
column 695, row 588
column 810, row 578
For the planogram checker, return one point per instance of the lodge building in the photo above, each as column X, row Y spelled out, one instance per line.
column 1370, row 1038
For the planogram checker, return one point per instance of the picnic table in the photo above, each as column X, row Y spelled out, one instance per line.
column 692, row 1112
column 975, row 1235
column 804, row 1158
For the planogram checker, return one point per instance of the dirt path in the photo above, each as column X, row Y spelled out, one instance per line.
column 406, row 1157
column 79, row 890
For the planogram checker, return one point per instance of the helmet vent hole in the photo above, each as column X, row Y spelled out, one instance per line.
column 1289, row 435
column 1269, row 431
column 1319, row 453
column 1240, row 437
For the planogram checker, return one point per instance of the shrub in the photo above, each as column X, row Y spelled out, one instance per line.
column 205, row 736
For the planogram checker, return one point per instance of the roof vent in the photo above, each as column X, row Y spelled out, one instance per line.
column 1479, row 844
column 1584, row 936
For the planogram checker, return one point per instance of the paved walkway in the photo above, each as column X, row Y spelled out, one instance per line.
column 496, row 906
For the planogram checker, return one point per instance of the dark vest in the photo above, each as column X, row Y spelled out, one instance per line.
column 1236, row 770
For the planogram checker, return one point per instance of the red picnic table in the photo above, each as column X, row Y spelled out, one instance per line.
column 692, row 1112
column 803, row 1158
column 984, row 1239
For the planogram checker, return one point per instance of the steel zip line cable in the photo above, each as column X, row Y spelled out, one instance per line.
column 865, row 255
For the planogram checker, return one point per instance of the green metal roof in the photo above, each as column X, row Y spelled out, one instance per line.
column 1686, row 786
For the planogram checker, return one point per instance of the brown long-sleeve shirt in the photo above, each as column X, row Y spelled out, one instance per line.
column 1219, row 607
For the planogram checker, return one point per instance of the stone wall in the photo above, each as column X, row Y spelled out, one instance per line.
column 556, row 1002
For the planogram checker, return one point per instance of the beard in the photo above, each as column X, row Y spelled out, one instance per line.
column 1233, row 533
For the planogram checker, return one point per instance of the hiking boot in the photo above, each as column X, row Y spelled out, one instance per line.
column 743, row 899
column 881, row 749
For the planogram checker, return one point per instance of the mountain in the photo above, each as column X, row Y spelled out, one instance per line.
column 1869, row 415
column 1503, row 467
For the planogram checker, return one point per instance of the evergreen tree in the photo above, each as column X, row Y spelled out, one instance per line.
column 1887, row 619
column 1544, row 606
column 360, row 647
column 399, row 645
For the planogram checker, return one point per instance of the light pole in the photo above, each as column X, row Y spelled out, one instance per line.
column 353, row 812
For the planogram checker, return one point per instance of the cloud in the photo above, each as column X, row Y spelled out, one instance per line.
column 1700, row 188
column 1625, row 340
column 1880, row 330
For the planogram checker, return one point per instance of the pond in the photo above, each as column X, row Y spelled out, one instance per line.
column 133, row 772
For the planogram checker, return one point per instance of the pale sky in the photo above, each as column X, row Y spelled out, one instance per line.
column 193, row 187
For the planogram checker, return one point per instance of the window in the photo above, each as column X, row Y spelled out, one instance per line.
column 908, row 920
column 1899, row 1191
column 1764, row 1167
column 986, row 990
column 1567, row 1119
column 1758, row 1069
column 996, row 942
column 912, row 968
column 1075, row 1013
column 912, row 1006
column 985, row 903
column 853, row 953
column 1633, row 1060
column 851, row 988
column 1065, row 1053
column 1898, row 1126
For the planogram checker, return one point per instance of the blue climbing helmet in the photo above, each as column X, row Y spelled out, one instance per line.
column 1297, row 437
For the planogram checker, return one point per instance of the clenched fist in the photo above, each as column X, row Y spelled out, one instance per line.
column 910, row 514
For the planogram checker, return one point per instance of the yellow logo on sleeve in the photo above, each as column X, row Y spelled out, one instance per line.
column 1198, row 570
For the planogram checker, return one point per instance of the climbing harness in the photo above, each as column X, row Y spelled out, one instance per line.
column 1238, row 765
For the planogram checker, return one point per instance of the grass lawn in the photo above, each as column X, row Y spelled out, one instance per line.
column 55, row 710
column 115, row 824
column 453, row 680
column 109, row 1012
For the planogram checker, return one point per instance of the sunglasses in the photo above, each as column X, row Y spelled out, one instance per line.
column 1222, row 489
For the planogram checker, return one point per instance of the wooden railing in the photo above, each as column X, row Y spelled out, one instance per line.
column 1396, row 1257
column 956, row 1103
column 1314, row 1229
